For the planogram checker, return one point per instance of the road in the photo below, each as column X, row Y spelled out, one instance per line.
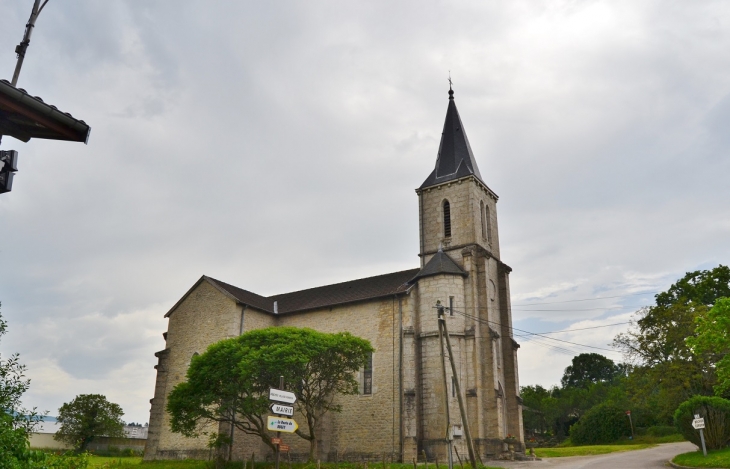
column 640, row 459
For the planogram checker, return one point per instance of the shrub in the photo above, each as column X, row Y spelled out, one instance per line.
column 715, row 411
column 661, row 430
column 604, row 423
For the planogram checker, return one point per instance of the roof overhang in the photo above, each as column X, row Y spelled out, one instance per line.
column 23, row 116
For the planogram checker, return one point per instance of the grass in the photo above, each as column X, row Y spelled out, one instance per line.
column 101, row 462
column 587, row 450
column 719, row 458
column 113, row 461
column 640, row 442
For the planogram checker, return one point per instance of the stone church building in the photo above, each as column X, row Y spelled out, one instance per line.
column 400, row 410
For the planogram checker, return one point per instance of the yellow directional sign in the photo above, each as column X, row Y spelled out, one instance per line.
column 280, row 424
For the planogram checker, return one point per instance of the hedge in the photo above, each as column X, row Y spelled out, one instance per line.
column 604, row 423
column 715, row 411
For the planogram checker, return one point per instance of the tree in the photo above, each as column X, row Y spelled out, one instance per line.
column 229, row 383
column 603, row 423
column 667, row 371
column 88, row 416
column 716, row 413
column 589, row 368
column 712, row 342
column 16, row 423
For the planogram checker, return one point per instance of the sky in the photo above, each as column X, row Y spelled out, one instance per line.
column 276, row 146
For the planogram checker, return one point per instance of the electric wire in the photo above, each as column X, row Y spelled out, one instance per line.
column 586, row 299
column 487, row 321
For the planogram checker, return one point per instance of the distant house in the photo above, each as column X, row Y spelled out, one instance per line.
column 135, row 437
column 136, row 431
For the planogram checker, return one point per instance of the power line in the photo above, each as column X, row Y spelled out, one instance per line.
column 568, row 310
column 585, row 299
column 586, row 328
column 487, row 321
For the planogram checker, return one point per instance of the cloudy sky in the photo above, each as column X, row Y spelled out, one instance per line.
column 277, row 146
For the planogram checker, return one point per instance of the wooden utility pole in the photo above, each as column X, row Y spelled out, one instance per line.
column 462, row 409
column 446, row 390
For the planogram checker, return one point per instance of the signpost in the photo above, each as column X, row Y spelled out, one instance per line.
column 282, row 396
column 281, row 424
column 631, row 423
column 698, row 424
column 282, row 409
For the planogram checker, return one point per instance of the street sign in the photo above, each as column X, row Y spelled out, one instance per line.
column 284, row 448
column 698, row 423
column 282, row 409
column 276, row 441
column 282, row 396
column 628, row 412
column 281, row 424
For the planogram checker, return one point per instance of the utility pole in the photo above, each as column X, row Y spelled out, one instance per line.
column 23, row 46
column 278, row 434
column 440, row 312
column 462, row 409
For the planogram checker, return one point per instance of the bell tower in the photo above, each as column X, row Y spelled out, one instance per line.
column 461, row 269
column 456, row 208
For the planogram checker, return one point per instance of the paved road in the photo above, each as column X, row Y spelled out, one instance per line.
column 645, row 458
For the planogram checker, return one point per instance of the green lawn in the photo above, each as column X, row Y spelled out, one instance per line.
column 101, row 462
column 719, row 459
column 113, row 461
column 588, row 450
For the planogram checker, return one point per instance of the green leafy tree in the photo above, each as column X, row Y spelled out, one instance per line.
column 589, row 368
column 667, row 371
column 229, row 383
column 86, row 417
column 603, row 423
column 715, row 411
column 16, row 423
column 711, row 342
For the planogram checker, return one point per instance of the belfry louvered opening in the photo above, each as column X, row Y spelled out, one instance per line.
column 447, row 219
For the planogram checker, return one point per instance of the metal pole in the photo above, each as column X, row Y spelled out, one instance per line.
column 631, row 424
column 23, row 46
column 462, row 409
column 446, row 387
column 278, row 434
column 702, row 439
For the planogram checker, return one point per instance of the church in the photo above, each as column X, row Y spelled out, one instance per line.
column 400, row 410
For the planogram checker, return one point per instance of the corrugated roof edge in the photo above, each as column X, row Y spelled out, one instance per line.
column 49, row 110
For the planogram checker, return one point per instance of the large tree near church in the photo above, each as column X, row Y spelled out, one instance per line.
column 230, row 382
column 668, row 371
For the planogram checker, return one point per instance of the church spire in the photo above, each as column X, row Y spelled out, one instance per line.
column 455, row 158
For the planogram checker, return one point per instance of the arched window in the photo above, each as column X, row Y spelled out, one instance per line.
column 447, row 219
column 484, row 220
column 489, row 223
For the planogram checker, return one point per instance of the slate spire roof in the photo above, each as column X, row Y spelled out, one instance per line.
column 455, row 158
column 439, row 264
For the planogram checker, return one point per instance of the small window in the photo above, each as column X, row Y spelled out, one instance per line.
column 447, row 219
column 488, row 224
column 451, row 306
column 367, row 376
column 484, row 220
column 453, row 386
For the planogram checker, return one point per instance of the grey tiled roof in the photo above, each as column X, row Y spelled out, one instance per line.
column 328, row 295
column 439, row 264
column 455, row 158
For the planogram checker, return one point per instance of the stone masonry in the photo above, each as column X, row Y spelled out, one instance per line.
column 405, row 413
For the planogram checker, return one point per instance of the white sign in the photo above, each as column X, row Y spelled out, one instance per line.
column 282, row 409
column 698, row 423
column 282, row 396
column 280, row 424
